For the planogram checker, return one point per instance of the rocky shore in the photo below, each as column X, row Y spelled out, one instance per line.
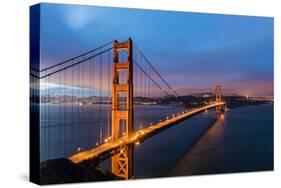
column 62, row 170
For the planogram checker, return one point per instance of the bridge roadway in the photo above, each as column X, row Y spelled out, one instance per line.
column 138, row 136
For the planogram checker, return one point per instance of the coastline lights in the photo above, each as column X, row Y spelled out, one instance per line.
column 78, row 149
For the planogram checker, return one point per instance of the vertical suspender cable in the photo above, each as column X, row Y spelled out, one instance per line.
column 78, row 109
column 48, row 132
column 72, row 114
column 64, row 112
column 43, row 97
column 90, row 105
column 108, row 87
column 100, row 118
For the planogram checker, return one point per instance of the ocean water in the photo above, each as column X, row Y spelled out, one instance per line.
column 239, row 140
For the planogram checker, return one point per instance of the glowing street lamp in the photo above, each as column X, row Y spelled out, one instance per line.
column 78, row 149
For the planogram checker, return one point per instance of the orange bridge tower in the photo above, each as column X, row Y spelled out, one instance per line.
column 218, row 96
column 218, row 93
column 122, row 109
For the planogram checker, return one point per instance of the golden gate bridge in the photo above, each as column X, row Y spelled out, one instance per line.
column 109, row 90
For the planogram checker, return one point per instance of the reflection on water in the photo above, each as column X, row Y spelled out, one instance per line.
column 242, row 141
column 193, row 158
column 160, row 153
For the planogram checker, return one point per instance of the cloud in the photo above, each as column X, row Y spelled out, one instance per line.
column 78, row 17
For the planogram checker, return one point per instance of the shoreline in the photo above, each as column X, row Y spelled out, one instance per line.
column 62, row 170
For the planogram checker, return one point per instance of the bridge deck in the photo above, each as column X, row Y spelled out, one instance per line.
column 138, row 136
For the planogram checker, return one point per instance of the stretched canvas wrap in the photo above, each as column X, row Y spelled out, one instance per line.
column 119, row 93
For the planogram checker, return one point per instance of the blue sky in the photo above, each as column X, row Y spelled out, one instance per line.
column 193, row 51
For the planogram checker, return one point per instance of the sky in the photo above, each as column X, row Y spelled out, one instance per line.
column 193, row 51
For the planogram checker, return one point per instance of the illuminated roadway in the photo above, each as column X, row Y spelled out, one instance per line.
column 138, row 136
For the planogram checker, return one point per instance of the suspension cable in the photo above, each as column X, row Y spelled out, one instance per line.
column 73, row 58
column 148, row 62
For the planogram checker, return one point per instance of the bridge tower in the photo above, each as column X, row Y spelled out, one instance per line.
column 218, row 93
column 218, row 99
column 122, row 111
